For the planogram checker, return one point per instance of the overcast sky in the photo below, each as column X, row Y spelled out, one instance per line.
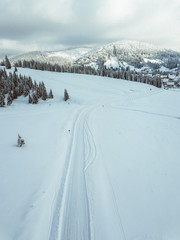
column 28, row 25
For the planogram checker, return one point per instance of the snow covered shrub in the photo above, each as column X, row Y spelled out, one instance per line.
column 20, row 141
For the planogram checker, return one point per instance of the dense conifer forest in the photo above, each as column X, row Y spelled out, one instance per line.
column 13, row 85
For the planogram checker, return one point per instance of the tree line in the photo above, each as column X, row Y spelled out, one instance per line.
column 120, row 73
column 14, row 85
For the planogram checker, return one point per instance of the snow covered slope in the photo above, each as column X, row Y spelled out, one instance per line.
column 133, row 53
column 103, row 166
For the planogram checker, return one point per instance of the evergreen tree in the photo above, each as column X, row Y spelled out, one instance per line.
column 26, row 90
column 35, row 86
column 34, row 98
column 15, row 92
column 44, row 92
column 19, row 63
column 9, row 99
column 66, row 95
column 30, row 99
column 7, row 63
column 38, row 92
column 114, row 51
column 15, row 79
column 50, row 94
column 2, row 102
column 2, row 63
column 29, row 82
column 24, row 64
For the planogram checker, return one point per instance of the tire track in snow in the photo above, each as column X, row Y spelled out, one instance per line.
column 72, row 219
column 90, row 153
column 91, row 143
column 55, row 225
column 72, row 215
column 91, row 156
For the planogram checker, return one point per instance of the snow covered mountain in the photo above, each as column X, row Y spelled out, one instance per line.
column 134, row 54
column 137, row 54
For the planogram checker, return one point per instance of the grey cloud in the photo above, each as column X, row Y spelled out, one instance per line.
column 23, row 22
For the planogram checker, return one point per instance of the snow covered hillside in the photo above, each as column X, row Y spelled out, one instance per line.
column 133, row 54
column 65, row 56
column 102, row 166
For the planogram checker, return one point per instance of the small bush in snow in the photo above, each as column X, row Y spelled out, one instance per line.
column 20, row 141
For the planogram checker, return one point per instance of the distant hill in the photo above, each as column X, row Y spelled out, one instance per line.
column 137, row 54
column 66, row 56
column 117, row 54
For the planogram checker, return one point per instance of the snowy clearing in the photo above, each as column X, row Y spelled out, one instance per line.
column 114, row 175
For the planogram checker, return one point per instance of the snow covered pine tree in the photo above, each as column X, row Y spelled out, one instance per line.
column 7, row 63
column 50, row 94
column 66, row 95
column 2, row 102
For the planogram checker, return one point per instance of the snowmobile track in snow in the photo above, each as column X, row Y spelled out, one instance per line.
column 71, row 216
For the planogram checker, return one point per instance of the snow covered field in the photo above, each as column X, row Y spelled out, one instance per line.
column 115, row 175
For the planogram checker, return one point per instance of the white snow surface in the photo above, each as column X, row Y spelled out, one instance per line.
column 73, row 53
column 152, row 60
column 115, row 175
column 112, row 62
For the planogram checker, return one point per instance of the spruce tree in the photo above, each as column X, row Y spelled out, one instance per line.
column 34, row 98
column 15, row 92
column 26, row 90
column 51, row 94
column 9, row 99
column 30, row 99
column 66, row 95
column 2, row 102
column 19, row 63
column 2, row 63
column 39, row 92
column 7, row 63
column 44, row 92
